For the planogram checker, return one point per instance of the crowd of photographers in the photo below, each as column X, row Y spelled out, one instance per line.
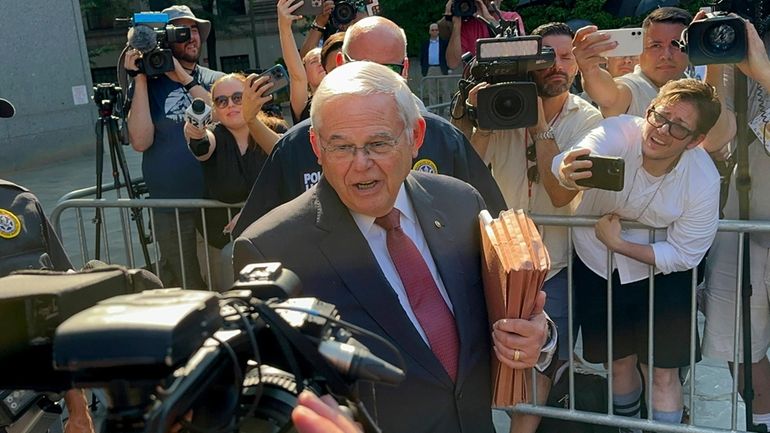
column 671, row 134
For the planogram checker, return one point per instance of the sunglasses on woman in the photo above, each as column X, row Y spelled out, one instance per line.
column 221, row 100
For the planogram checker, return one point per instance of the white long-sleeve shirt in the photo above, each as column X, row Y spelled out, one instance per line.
column 683, row 204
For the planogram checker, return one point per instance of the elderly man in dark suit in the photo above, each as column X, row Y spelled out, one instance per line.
column 398, row 252
column 433, row 52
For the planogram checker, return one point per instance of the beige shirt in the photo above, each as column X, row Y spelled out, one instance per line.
column 507, row 155
column 643, row 91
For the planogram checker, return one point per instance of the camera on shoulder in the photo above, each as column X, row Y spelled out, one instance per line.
column 510, row 101
column 152, row 35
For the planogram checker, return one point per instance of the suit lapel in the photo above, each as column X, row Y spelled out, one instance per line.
column 437, row 230
column 349, row 254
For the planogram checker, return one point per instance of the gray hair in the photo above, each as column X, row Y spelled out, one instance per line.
column 363, row 79
column 370, row 24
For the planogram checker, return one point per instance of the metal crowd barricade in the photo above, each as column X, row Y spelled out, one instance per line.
column 436, row 92
column 608, row 418
column 570, row 413
column 127, row 231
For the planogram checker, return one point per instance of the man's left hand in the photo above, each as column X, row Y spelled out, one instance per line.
column 518, row 342
column 179, row 74
column 542, row 124
column 607, row 230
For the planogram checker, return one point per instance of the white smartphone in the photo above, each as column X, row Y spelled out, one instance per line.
column 630, row 42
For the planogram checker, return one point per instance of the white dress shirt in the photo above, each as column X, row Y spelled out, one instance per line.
column 376, row 237
column 683, row 204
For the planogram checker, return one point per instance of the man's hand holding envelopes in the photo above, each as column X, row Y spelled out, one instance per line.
column 515, row 264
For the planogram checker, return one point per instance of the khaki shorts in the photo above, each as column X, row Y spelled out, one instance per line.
column 721, row 283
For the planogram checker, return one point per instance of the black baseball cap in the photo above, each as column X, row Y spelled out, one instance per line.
column 6, row 108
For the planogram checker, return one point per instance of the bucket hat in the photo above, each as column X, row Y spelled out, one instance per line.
column 181, row 12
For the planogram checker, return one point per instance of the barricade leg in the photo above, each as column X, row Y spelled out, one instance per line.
column 174, row 257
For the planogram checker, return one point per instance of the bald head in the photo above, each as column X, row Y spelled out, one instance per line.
column 376, row 39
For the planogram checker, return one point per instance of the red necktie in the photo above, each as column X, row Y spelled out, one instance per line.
column 428, row 305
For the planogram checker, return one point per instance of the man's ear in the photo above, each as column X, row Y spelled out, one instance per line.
column 339, row 58
column 315, row 145
column 696, row 141
column 418, row 136
column 405, row 72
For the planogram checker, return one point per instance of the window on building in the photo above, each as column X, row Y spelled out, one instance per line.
column 235, row 63
column 231, row 7
column 104, row 75
column 99, row 19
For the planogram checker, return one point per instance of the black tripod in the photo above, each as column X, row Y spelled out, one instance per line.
column 107, row 96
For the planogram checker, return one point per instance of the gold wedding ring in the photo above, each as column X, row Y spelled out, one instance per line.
column 516, row 355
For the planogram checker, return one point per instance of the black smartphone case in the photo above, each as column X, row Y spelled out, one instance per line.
column 607, row 173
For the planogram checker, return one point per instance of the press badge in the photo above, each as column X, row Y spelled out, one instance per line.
column 761, row 127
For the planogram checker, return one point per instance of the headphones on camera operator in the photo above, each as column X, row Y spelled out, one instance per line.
column 504, row 62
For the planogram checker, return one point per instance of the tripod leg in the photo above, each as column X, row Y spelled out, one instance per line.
column 99, row 171
column 122, row 166
column 113, row 145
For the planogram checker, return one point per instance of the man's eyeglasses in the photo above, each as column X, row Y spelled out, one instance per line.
column 374, row 150
column 221, row 100
column 676, row 130
column 395, row 67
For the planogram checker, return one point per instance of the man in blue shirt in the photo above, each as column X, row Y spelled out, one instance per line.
column 155, row 127
column 433, row 52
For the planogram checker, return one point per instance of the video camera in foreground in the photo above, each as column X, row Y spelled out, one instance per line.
column 235, row 360
column 510, row 101
column 152, row 35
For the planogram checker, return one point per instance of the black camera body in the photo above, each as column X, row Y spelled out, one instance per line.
column 464, row 8
column 345, row 11
column 719, row 39
column 159, row 353
column 510, row 101
column 153, row 35
column 107, row 96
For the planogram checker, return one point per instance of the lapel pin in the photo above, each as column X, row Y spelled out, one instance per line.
column 438, row 224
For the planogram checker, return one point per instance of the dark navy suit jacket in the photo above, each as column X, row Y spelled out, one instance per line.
column 315, row 236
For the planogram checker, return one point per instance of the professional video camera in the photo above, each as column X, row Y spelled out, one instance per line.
column 505, row 62
column 721, row 38
column 717, row 39
column 236, row 360
column 151, row 34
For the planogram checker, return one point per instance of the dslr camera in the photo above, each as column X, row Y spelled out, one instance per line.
column 345, row 10
column 152, row 35
column 510, row 101
column 464, row 8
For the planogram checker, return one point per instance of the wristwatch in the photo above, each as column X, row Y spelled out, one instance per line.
column 544, row 361
column 194, row 82
column 545, row 135
column 315, row 26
